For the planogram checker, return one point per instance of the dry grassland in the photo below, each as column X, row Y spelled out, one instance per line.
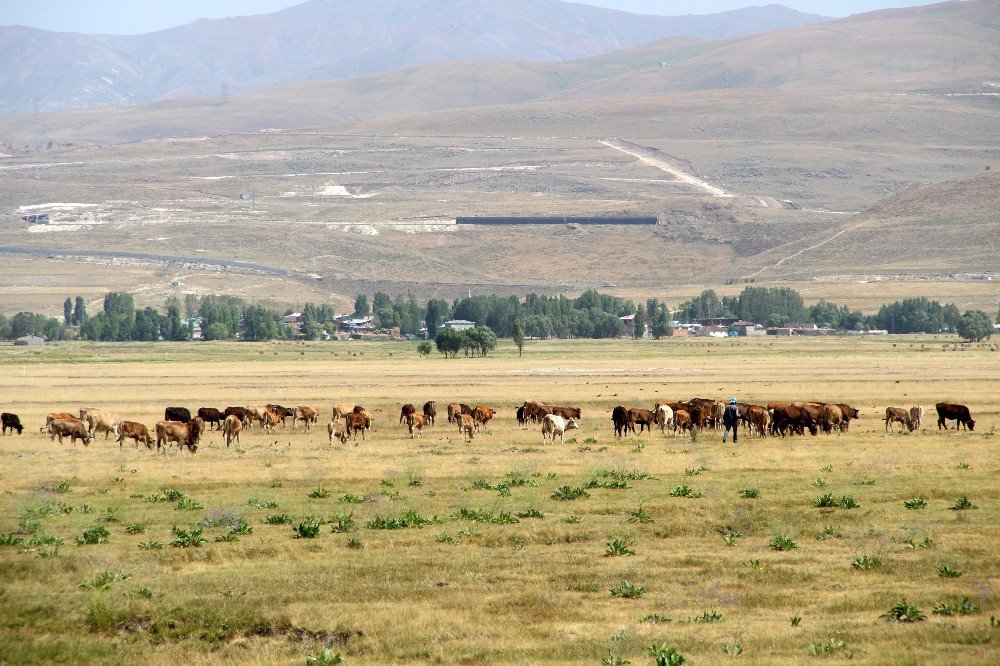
column 458, row 591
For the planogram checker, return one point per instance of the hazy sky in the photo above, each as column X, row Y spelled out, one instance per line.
column 139, row 16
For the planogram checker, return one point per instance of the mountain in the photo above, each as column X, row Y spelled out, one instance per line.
column 330, row 39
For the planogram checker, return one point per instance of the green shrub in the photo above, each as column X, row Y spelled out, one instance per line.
column 151, row 545
column 530, row 513
column 684, row 491
column 188, row 504
column 343, row 523
column 483, row 516
column 319, row 493
column 191, row 538
column 640, row 515
column 963, row 607
column 565, row 493
column 572, row 519
column 324, row 657
column 902, row 611
column 410, row 518
column 749, row 493
column 103, row 580
column 96, row 534
column 308, row 528
column 945, row 571
column 262, row 504
column 355, row 544
column 656, row 618
column 666, row 655
column 713, row 616
column 847, row 502
column 824, row 501
column 832, row 647
column 915, row 503
column 136, row 528
column 626, row 590
column 867, row 562
column 782, row 543
column 619, row 547
column 963, row 504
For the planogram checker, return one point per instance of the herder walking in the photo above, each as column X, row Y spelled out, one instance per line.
column 731, row 420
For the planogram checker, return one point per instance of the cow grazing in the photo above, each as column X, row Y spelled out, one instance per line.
column 953, row 412
column 758, row 419
column 59, row 415
column 185, row 434
column 72, row 428
column 536, row 410
column 519, row 415
column 664, row 417
column 621, row 418
column 430, row 412
column 405, row 412
column 231, row 429
column 256, row 413
column 466, row 426
column 792, row 419
column 11, row 422
column 916, row 415
column 238, row 412
column 682, row 421
column 415, row 423
column 137, row 431
column 282, row 413
column 335, row 430
column 481, row 415
column 553, row 425
column 454, row 410
column 98, row 420
column 834, row 417
column 900, row 415
column 355, row 422
column 643, row 417
column 566, row 412
column 211, row 415
column 182, row 414
column 340, row 411
column 270, row 421
column 305, row 413
column 365, row 414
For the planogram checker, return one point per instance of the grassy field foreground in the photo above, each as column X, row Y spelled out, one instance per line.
column 436, row 550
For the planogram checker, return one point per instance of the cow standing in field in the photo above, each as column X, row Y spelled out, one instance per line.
column 342, row 410
column 137, row 431
column 953, row 412
column 621, row 418
column 181, row 414
column 99, row 420
column 355, row 422
column 482, row 415
column 430, row 412
column 305, row 413
column 231, row 429
column 415, row 423
column 567, row 412
column 335, row 430
column 282, row 413
column 405, row 411
column 72, row 428
column 238, row 412
column 916, row 415
column 212, row 416
column 185, row 434
column 900, row 415
column 58, row 416
column 553, row 425
column 11, row 422
column 519, row 415
column 758, row 420
column 643, row 417
column 682, row 421
column 256, row 413
column 664, row 415
column 466, row 426
column 848, row 413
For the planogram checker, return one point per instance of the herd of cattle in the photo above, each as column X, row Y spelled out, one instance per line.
column 350, row 421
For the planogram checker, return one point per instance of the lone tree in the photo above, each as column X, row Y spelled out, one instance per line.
column 68, row 311
column 361, row 308
column 519, row 336
column 425, row 348
column 449, row 342
column 975, row 325
column 80, row 311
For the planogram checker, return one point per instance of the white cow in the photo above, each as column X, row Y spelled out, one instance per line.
column 665, row 417
column 553, row 425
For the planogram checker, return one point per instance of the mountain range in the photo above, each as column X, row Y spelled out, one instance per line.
column 330, row 39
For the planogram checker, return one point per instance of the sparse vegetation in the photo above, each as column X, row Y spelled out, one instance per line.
column 902, row 611
column 626, row 590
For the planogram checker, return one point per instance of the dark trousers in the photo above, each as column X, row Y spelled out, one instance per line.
column 734, row 427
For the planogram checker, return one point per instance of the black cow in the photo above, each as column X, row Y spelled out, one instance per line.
column 951, row 412
column 182, row 414
column 11, row 421
column 622, row 419
column 211, row 415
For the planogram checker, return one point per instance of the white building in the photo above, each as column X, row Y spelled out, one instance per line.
column 458, row 324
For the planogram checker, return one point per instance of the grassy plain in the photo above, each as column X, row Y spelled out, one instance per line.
column 458, row 591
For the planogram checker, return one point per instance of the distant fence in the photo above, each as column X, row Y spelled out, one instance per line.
column 555, row 220
column 222, row 263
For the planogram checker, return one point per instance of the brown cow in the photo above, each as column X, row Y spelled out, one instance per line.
column 848, row 413
column 270, row 421
column 536, row 410
column 622, row 419
column 643, row 417
column 231, row 429
column 415, row 422
column 405, row 412
column 916, row 415
column 339, row 411
column 212, row 416
column 566, row 412
column 466, row 426
column 834, row 417
column 336, row 431
column 185, row 434
column 305, row 413
column 454, row 410
column 59, row 415
column 354, row 423
column 430, row 412
column 900, row 415
column 481, row 415
column 954, row 412
column 255, row 413
column 137, row 431
column 682, row 421
column 72, row 427
column 758, row 420
column 281, row 412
